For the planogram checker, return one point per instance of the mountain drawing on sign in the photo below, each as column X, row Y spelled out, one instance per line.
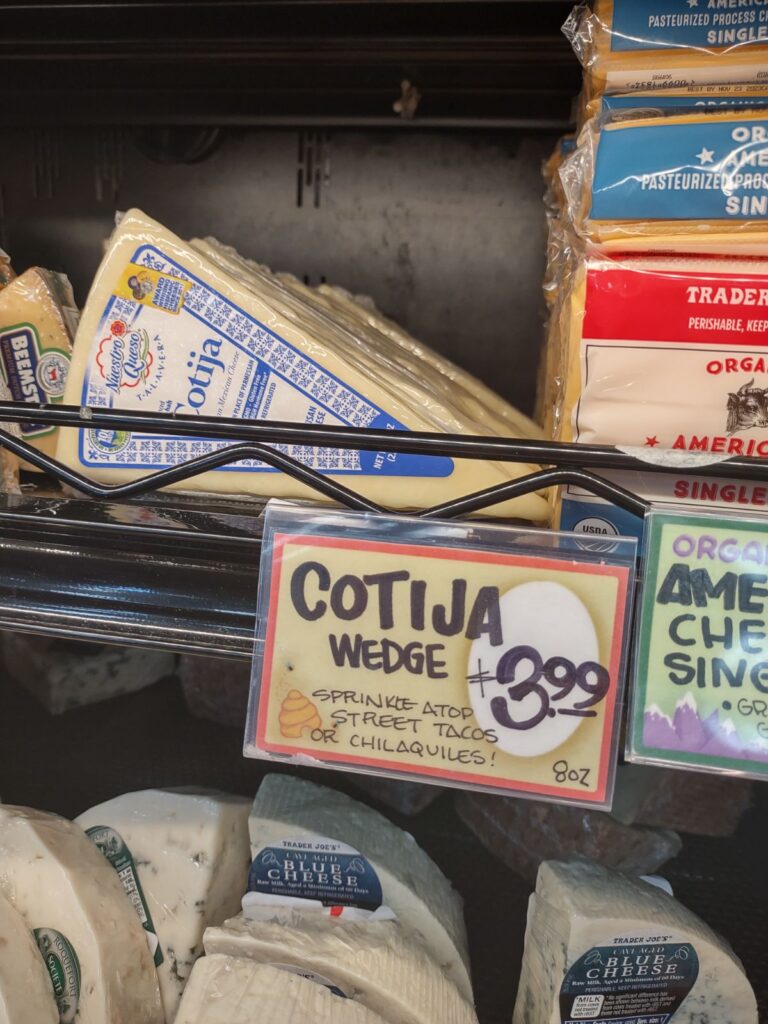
column 687, row 731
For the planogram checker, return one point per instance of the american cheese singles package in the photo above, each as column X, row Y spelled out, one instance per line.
column 666, row 357
column 191, row 328
column 699, row 699
column 471, row 656
column 679, row 183
column 628, row 45
column 694, row 98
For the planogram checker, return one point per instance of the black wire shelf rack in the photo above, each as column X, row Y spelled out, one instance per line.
column 124, row 563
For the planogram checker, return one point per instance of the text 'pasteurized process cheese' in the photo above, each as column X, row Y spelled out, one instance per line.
column 627, row 45
column 193, row 329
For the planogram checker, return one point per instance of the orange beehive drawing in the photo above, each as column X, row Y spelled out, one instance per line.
column 298, row 713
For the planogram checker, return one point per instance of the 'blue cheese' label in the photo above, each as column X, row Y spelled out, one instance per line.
column 64, row 968
column 697, row 171
column 632, row 982
column 321, row 870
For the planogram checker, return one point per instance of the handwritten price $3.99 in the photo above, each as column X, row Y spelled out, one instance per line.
column 550, row 682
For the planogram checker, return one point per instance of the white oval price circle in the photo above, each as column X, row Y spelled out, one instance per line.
column 554, row 622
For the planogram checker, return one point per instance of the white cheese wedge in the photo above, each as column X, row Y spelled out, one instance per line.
column 598, row 942
column 62, row 887
column 26, row 993
column 375, row 963
column 225, row 990
column 183, row 858
column 167, row 327
column 422, row 898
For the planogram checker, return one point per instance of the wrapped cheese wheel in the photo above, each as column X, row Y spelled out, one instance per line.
column 628, row 45
column 680, row 183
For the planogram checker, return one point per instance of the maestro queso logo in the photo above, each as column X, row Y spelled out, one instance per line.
column 124, row 359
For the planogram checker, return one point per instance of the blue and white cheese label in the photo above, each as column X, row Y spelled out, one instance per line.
column 682, row 101
column 707, row 24
column 63, row 966
column 316, row 869
column 640, row 981
column 170, row 343
column 703, row 170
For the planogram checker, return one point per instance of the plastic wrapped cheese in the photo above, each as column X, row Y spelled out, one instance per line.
column 644, row 44
column 376, row 963
column 26, row 992
column 691, row 182
column 169, row 327
column 289, row 810
column 38, row 319
column 89, row 934
column 666, row 357
column 182, row 856
column 6, row 270
column 227, row 990
column 601, row 945
column 694, row 98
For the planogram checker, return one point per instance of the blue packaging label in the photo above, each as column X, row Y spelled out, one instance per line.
column 709, row 24
column 317, row 869
column 31, row 374
column 701, row 171
column 632, row 982
column 692, row 101
column 598, row 518
column 168, row 342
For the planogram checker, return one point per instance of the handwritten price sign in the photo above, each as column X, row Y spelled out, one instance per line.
column 411, row 650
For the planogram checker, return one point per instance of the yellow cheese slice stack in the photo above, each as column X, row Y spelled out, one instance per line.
column 734, row 49
column 733, row 233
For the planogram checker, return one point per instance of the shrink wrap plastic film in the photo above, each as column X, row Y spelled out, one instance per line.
column 602, row 943
column 371, row 962
column 628, row 45
column 63, row 888
column 695, row 99
column 263, row 346
column 228, row 990
column 182, row 856
column 686, row 183
column 631, row 329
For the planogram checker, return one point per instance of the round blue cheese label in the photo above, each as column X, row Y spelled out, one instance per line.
column 318, row 869
column 629, row 983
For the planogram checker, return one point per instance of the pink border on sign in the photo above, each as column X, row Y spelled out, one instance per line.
column 283, row 540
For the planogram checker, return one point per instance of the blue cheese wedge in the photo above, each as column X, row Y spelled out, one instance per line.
column 182, row 856
column 292, row 810
column 600, row 945
column 26, row 992
column 86, row 929
column 225, row 990
column 377, row 963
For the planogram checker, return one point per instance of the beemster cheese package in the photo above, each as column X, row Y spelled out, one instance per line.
column 628, row 45
column 192, row 328
column 601, row 946
column 666, row 357
column 691, row 182
column 38, row 320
